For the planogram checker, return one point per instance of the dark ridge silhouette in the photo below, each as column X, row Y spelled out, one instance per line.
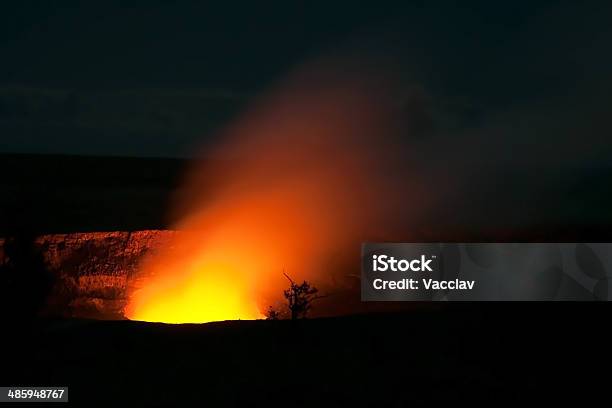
column 60, row 193
column 26, row 281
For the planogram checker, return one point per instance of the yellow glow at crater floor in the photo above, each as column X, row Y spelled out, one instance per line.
column 196, row 298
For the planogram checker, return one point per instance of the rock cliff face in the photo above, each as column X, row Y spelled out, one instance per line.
column 92, row 272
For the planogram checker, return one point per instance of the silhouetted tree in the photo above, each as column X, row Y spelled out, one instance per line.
column 300, row 298
column 272, row 314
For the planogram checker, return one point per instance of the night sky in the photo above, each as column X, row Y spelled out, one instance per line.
column 156, row 78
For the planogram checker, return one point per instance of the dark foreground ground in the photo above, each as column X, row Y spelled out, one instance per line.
column 495, row 353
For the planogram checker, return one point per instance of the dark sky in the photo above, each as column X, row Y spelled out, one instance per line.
column 230, row 45
column 155, row 78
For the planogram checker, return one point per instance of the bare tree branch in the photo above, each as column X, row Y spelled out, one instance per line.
column 287, row 276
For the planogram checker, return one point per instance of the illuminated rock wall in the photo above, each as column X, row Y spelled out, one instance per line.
column 92, row 272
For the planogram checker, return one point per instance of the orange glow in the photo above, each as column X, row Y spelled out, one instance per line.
column 225, row 269
column 299, row 179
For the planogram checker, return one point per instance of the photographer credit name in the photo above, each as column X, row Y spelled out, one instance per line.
column 384, row 263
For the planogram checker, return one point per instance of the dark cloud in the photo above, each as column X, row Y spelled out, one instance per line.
column 125, row 122
column 523, row 82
